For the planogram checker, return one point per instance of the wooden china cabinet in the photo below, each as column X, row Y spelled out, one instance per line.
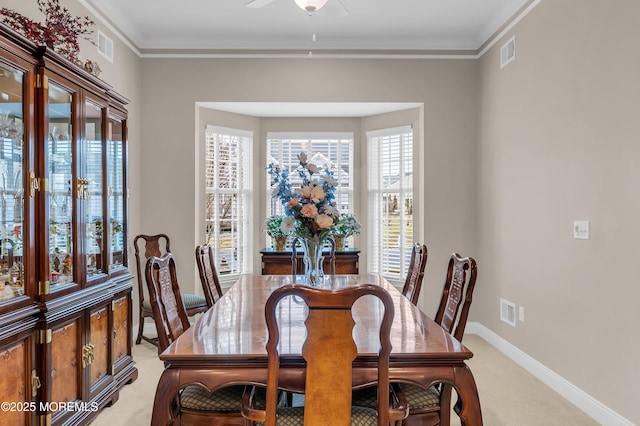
column 65, row 286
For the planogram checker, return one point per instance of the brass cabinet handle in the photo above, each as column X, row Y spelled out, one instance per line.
column 35, row 383
column 87, row 355
column 34, row 184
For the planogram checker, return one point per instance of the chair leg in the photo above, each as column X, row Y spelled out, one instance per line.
column 140, row 327
column 445, row 404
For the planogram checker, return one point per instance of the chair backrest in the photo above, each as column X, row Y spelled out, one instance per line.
column 295, row 256
column 329, row 350
column 208, row 274
column 458, row 287
column 169, row 313
column 154, row 245
column 415, row 274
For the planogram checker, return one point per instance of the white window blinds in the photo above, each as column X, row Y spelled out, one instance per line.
column 228, row 196
column 390, row 186
column 333, row 150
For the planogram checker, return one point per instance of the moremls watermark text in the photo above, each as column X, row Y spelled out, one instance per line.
column 48, row 406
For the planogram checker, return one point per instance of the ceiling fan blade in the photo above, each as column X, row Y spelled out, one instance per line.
column 257, row 3
column 336, row 9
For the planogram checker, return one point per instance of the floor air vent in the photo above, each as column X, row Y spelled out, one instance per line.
column 508, row 312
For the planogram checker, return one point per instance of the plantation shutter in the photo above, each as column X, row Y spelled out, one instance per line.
column 390, row 186
column 332, row 149
column 228, row 198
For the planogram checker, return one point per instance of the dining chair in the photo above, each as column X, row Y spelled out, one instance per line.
column 208, row 274
column 329, row 351
column 195, row 403
column 432, row 406
column 152, row 247
column 297, row 257
column 366, row 397
column 415, row 273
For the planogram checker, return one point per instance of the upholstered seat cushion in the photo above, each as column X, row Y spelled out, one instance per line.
column 294, row 416
column 225, row 399
column 419, row 397
column 365, row 397
column 189, row 301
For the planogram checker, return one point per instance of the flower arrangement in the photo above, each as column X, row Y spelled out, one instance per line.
column 347, row 225
column 310, row 210
column 60, row 30
column 273, row 227
column 96, row 227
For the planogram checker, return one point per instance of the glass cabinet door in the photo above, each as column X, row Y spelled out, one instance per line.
column 11, row 183
column 116, row 190
column 60, row 175
column 90, row 189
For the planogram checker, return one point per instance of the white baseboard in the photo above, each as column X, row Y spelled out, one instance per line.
column 594, row 408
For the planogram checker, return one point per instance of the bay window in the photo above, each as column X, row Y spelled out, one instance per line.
column 390, row 188
column 228, row 199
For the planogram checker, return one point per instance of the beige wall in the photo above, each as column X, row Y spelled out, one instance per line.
column 511, row 158
column 559, row 142
column 447, row 88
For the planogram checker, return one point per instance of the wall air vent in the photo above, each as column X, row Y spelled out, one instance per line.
column 508, row 52
column 508, row 312
column 105, row 46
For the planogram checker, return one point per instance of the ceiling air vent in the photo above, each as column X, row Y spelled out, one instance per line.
column 508, row 52
column 508, row 312
column 105, row 46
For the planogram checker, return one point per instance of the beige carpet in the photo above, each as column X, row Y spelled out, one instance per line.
column 509, row 395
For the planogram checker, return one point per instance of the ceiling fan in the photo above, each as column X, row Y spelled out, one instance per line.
column 333, row 7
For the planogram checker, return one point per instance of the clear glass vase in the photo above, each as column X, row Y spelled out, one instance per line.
column 313, row 259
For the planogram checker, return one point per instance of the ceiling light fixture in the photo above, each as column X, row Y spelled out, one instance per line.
column 310, row 5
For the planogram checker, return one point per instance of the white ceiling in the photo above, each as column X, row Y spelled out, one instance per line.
column 281, row 24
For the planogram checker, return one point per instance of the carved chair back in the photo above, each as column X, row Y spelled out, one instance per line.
column 329, row 351
column 154, row 245
column 169, row 313
column 415, row 274
column 208, row 274
column 457, row 293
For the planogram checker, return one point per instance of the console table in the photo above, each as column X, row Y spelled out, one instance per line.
column 279, row 262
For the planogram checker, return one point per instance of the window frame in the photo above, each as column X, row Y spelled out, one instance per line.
column 343, row 141
column 377, row 261
column 242, row 261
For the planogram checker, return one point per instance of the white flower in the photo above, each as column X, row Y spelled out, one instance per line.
column 288, row 224
column 312, row 168
column 324, row 221
column 331, row 181
column 331, row 210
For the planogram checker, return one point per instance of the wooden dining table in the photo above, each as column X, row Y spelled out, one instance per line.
column 226, row 345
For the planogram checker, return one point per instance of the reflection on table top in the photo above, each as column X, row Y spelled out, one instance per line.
column 234, row 330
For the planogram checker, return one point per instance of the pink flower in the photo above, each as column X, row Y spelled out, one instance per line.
column 306, row 191
column 324, row 221
column 317, row 194
column 293, row 202
column 309, row 210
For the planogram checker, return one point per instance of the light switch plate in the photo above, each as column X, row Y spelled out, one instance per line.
column 581, row 230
